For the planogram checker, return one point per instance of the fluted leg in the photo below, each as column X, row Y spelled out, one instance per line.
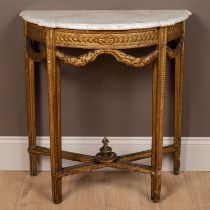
column 54, row 100
column 31, row 112
column 158, row 114
column 179, row 71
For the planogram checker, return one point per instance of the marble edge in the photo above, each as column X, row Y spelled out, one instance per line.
column 188, row 11
column 105, row 26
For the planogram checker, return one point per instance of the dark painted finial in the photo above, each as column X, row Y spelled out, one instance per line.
column 105, row 154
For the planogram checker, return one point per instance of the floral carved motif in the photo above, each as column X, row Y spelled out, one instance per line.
column 120, row 56
column 105, row 40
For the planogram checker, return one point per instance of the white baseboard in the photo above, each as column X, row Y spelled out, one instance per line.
column 195, row 153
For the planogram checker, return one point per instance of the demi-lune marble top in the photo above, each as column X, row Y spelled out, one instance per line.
column 105, row 19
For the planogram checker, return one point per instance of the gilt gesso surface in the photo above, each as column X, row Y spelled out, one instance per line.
column 81, row 29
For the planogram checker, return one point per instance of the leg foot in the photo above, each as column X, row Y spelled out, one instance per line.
column 176, row 172
column 176, row 166
column 56, row 190
column 155, row 187
column 33, row 165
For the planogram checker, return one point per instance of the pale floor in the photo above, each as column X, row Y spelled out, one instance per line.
column 105, row 191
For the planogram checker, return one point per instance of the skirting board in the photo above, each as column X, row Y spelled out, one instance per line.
column 195, row 152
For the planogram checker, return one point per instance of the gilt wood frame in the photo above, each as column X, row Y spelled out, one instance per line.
column 104, row 42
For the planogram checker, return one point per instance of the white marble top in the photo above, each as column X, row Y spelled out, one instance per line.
column 105, row 19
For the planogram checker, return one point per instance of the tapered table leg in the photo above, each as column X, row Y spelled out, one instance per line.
column 179, row 71
column 54, row 100
column 158, row 114
column 31, row 113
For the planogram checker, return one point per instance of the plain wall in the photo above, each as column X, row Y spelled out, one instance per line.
column 105, row 97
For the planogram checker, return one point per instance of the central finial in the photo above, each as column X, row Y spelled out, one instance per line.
column 105, row 142
column 106, row 150
column 105, row 154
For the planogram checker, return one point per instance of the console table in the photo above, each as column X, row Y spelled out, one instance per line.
column 104, row 32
